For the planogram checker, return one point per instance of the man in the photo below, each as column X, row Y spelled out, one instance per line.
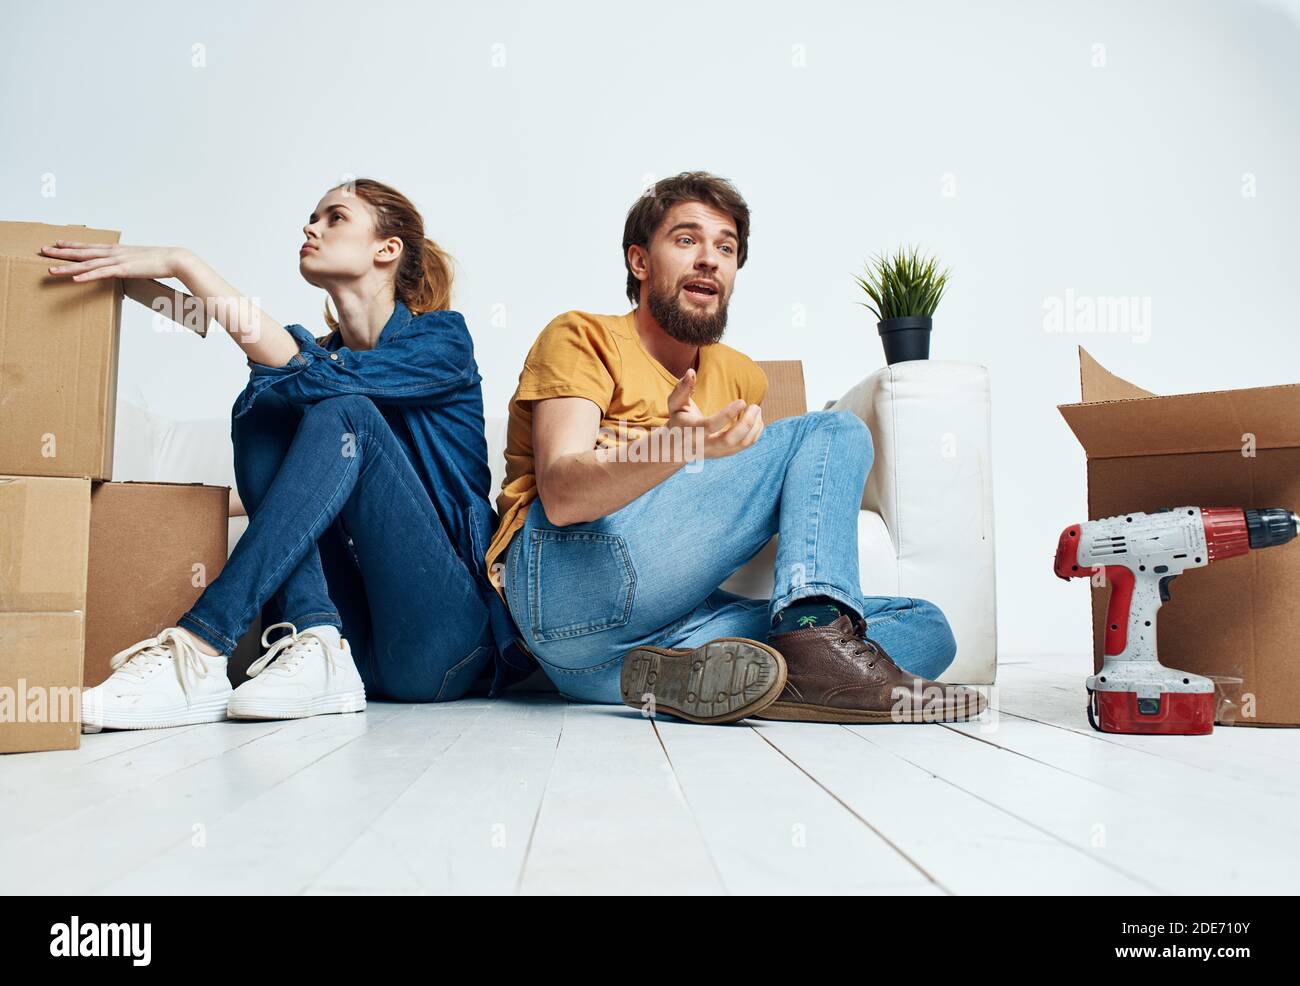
column 640, row 476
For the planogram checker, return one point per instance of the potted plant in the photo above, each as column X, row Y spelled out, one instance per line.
column 905, row 290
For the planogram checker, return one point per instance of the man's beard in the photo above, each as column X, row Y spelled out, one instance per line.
column 685, row 325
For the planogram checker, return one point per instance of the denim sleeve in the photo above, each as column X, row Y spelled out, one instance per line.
column 431, row 361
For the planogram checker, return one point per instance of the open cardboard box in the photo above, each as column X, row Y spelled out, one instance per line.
column 1239, row 617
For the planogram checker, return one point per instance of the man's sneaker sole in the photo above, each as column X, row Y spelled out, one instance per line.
column 252, row 708
column 209, row 710
column 721, row 681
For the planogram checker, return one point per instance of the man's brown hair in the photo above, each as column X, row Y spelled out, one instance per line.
column 690, row 186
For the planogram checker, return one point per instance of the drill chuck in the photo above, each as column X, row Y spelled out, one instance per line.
column 1270, row 527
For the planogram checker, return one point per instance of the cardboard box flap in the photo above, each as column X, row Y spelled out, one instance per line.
column 1134, row 422
column 168, row 484
column 183, row 309
column 1098, row 384
column 26, row 239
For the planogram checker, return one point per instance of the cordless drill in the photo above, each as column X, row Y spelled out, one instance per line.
column 1140, row 555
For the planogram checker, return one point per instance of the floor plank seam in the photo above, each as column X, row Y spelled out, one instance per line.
column 169, row 734
column 368, row 827
column 1025, row 821
column 690, row 810
column 541, row 804
column 90, row 808
column 1043, row 763
column 1103, row 738
column 884, row 838
column 1111, row 741
column 167, row 847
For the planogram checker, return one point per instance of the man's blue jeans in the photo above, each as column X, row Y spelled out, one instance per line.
column 343, row 532
column 585, row 594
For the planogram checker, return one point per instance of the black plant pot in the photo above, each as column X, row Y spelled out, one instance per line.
column 906, row 337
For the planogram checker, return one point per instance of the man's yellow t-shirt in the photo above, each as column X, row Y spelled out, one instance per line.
column 601, row 358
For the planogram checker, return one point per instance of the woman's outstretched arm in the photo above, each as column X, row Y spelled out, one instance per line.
column 262, row 339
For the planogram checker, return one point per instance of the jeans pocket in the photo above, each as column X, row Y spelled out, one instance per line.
column 579, row 582
column 458, row 679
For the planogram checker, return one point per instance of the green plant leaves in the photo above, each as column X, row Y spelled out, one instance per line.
column 905, row 283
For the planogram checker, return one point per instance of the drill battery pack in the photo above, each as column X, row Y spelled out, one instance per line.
column 1173, row 713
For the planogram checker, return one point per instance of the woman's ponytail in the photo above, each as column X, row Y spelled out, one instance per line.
column 429, row 287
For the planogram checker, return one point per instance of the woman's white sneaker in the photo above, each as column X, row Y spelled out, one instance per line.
column 307, row 672
column 158, row 682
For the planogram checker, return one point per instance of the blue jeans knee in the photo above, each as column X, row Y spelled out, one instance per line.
column 940, row 649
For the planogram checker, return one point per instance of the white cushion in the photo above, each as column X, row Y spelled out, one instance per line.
column 135, row 442
column 150, row 448
column 932, row 487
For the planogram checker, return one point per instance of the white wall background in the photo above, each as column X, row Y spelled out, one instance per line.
column 524, row 132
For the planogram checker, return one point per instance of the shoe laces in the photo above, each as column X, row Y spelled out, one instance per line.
column 868, row 645
column 291, row 649
column 173, row 644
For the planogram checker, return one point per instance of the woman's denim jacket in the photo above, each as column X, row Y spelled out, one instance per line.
column 424, row 365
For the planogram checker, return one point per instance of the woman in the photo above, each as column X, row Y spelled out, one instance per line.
column 361, row 461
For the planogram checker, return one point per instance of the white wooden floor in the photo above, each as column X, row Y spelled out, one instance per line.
column 529, row 794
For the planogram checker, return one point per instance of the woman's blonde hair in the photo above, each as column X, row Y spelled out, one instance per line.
column 423, row 278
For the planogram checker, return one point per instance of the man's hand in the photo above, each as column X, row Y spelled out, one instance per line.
column 736, row 427
column 578, row 482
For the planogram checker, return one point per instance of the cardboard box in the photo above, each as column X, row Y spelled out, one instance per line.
column 86, row 570
column 58, row 358
column 44, row 541
column 785, row 397
column 1231, row 448
column 40, row 681
column 154, row 547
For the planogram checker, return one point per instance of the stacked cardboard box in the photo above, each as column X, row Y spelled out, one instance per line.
column 44, row 546
column 87, row 566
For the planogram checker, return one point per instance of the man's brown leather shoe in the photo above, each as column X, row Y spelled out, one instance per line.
column 837, row 674
column 721, row 681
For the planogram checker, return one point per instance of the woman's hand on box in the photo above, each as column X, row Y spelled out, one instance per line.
column 94, row 261
column 263, row 339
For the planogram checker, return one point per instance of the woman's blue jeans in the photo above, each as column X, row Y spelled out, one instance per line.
column 342, row 532
column 583, row 595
